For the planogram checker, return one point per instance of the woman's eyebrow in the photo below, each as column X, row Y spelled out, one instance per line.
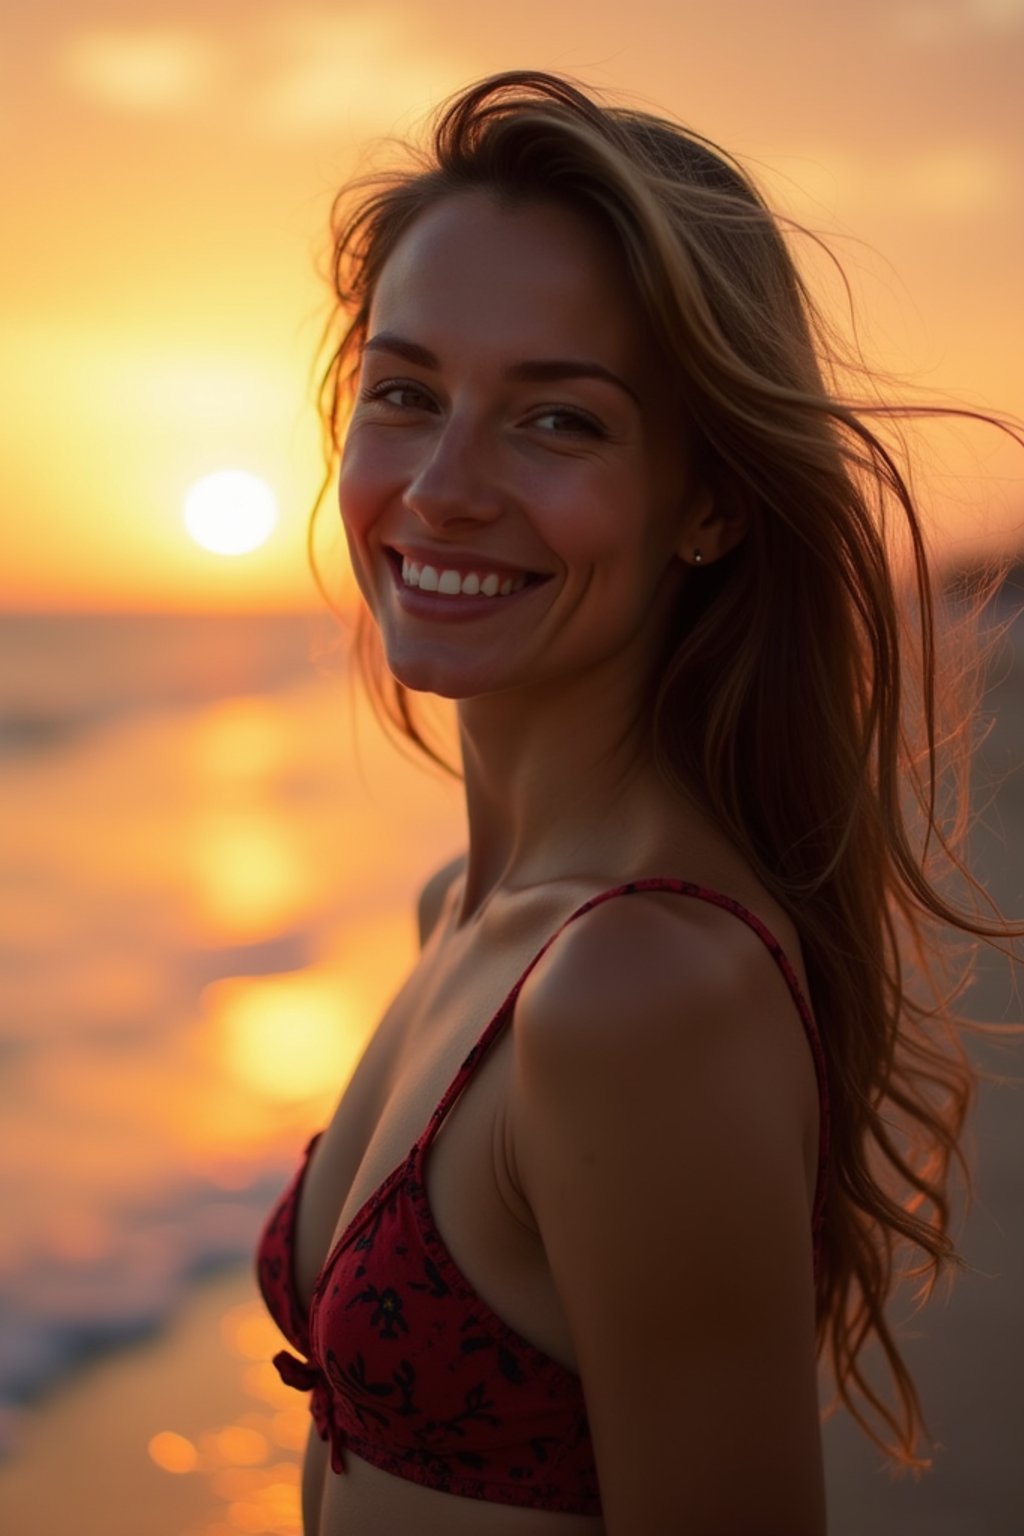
column 539, row 370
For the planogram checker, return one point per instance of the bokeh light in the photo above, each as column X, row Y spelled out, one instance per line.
column 173, row 1452
column 287, row 1035
column 241, row 1447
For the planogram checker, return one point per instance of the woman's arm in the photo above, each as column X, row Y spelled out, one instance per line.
column 661, row 1122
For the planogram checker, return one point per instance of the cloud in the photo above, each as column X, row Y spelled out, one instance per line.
column 150, row 70
column 293, row 73
column 364, row 69
column 947, row 182
column 949, row 21
column 996, row 14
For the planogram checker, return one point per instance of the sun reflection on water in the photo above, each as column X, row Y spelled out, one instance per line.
column 240, row 1446
column 286, row 1035
column 249, row 879
column 239, row 740
column 251, row 1467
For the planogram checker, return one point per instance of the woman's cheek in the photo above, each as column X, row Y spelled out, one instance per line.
column 359, row 508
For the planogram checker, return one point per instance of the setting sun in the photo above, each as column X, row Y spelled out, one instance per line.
column 230, row 512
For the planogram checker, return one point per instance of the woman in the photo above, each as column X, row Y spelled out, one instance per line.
column 597, row 492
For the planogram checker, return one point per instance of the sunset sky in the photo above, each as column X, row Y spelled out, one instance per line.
column 168, row 169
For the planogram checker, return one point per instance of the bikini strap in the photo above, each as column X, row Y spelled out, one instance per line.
column 698, row 893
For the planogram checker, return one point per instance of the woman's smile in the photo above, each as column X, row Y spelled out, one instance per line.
column 449, row 583
column 449, row 592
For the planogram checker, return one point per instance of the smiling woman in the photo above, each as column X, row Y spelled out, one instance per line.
column 657, row 1108
column 506, row 454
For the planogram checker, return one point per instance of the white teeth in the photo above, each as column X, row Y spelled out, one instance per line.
column 452, row 583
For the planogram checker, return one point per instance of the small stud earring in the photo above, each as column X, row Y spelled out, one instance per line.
column 697, row 557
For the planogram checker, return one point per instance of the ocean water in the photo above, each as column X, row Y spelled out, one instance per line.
column 208, row 858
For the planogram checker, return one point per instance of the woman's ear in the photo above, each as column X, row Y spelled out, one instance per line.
column 708, row 533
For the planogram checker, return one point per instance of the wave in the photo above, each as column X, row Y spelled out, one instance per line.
column 55, row 1318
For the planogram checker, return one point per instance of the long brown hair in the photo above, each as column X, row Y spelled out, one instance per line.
column 798, row 703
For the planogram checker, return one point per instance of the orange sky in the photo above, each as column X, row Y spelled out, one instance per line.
column 168, row 167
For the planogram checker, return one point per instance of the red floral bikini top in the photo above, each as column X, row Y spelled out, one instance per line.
column 409, row 1368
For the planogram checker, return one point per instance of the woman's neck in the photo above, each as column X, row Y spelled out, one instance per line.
column 557, row 786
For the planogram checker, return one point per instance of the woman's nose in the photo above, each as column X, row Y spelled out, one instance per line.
column 455, row 481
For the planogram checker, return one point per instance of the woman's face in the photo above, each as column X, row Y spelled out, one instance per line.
column 513, row 483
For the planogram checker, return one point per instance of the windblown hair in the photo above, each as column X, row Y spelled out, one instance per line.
column 798, row 702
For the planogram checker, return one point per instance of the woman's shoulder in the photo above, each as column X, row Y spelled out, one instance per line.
column 660, row 954
column 657, row 1000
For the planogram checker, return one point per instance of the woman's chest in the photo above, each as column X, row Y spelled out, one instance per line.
column 467, row 1204
column 453, row 1007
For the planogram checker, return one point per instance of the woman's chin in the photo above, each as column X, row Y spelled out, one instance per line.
column 421, row 674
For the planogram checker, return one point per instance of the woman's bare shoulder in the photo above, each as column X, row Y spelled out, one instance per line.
column 650, row 998
column 657, row 958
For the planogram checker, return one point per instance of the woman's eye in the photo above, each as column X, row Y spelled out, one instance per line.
column 398, row 393
column 568, row 423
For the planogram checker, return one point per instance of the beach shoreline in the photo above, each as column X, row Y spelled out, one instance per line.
column 101, row 1448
